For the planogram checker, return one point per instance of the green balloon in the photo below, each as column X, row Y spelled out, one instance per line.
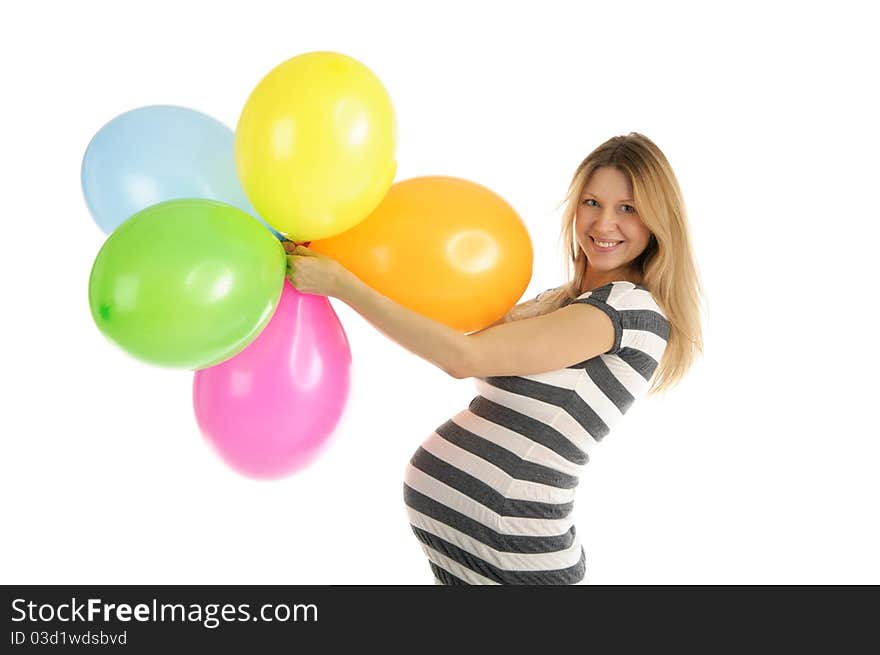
column 186, row 283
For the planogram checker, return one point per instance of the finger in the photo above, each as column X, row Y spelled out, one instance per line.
column 305, row 252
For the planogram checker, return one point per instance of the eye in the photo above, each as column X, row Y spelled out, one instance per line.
column 588, row 200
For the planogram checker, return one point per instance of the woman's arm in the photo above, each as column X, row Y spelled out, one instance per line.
column 523, row 347
column 431, row 340
column 503, row 319
column 520, row 347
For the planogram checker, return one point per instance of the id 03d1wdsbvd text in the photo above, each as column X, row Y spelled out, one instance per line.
column 62, row 638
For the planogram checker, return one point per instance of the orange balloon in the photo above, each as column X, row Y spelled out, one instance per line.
column 445, row 247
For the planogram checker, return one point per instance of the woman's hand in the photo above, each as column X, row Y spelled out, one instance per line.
column 312, row 272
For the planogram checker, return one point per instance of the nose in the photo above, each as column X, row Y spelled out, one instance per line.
column 606, row 221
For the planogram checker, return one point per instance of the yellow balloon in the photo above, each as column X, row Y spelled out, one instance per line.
column 315, row 145
column 447, row 248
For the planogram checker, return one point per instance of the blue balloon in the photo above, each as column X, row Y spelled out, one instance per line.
column 157, row 153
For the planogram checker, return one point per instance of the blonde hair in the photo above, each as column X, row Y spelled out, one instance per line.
column 666, row 267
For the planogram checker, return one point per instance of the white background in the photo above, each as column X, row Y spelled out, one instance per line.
column 759, row 468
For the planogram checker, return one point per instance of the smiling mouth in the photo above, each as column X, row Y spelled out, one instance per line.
column 605, row 244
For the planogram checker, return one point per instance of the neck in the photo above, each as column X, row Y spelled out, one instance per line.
column 595, row 279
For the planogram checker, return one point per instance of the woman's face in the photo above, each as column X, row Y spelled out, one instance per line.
column 606, row 214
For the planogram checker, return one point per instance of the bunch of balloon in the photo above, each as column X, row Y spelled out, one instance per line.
column 193, row 273
column 315, row 153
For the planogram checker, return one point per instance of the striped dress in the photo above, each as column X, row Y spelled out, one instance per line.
column 489, row 494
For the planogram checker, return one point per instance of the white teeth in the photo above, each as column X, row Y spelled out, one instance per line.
column 606, row 244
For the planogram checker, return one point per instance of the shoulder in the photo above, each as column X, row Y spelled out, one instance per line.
column 630, row 306
column 540, row 344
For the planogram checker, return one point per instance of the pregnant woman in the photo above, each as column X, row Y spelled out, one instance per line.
column 489, row 494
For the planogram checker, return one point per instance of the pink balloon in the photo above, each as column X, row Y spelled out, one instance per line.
column 270, row 410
